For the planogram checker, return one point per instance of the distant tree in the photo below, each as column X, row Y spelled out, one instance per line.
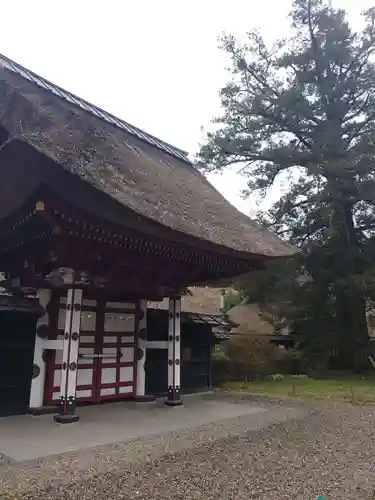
column 305, row 107
column 231, row 299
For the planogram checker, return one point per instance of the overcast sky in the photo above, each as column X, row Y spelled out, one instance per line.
column 154, row 63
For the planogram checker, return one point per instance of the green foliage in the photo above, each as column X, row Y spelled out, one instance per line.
column 292, row 362
column 231, row 299
column 303, row 110
column 252, row 356
column 276, row 377
column 344, row 389
column 220, row 368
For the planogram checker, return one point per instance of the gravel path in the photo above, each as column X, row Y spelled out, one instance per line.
column 311, row 450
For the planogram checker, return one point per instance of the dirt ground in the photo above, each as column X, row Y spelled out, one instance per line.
column 314, row 450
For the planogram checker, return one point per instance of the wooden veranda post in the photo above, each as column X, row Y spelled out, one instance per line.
column 39, row 365
column 174, row 352
column 141, row 395
column 70, row 356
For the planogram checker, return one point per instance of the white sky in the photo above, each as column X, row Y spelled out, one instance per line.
column 154, row 63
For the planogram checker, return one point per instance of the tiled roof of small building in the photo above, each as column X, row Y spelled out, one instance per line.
column 200, row 300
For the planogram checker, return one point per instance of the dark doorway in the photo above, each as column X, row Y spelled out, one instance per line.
column 17, row 335
column 195, row 367
column 156, row 371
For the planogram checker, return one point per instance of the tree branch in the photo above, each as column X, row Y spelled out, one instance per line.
column 315, row 50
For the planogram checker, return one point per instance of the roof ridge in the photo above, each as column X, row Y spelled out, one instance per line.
column 100, row 113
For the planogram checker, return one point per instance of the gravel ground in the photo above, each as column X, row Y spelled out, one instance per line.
column 312, row 449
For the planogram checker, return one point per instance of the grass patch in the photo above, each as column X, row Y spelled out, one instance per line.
column 355, row 390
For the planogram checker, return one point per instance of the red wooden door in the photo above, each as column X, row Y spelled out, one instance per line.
column 116, row 359
column 106, row 356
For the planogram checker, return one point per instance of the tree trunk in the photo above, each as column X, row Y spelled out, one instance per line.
column 351, row 298
column 354, row 343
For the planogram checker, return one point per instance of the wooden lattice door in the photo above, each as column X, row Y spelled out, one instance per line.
column 106, row 356
column 116, row 360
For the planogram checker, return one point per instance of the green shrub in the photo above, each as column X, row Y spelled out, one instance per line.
column 231, row 299
column 292, row 362
column 275, row 377
column 252, row 356
column 220, row 368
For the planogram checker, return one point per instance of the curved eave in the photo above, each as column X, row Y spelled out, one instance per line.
column 65, row 212
column 54, row 217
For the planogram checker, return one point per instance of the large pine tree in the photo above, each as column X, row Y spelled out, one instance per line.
column 306, row 106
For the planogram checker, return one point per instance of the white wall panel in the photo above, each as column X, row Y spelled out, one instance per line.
column 126, row 374
column 108, row 375
column 107, row 392
column 83, row 394
column 88, row 321
column 61, row 321
column 127, row 354
column 85, row 376
column 89, row 303
column 56, row 378
column 85, row 339
column 88, row 356
column 109, row 355
column 110, row 340
column 119, row 322
column 125, row 390
column 127, row 340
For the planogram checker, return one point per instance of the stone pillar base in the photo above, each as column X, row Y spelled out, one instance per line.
column 42, row 410
column 67, row 418
column 173, row 402
column 144, row 398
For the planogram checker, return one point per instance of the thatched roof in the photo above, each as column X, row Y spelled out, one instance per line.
column 200, row 300
column 249, row 320
column 140, row 172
